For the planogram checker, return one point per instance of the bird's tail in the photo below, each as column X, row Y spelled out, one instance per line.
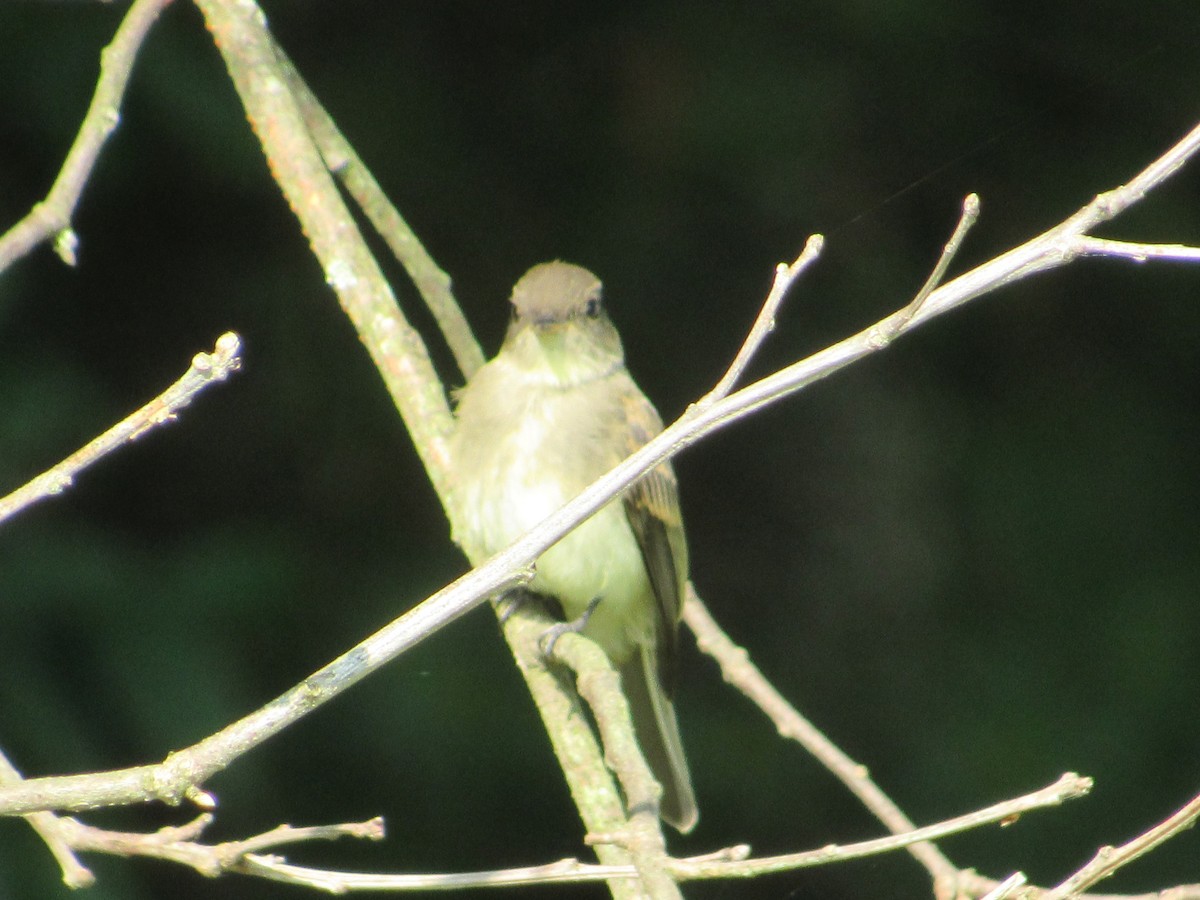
column 658, row 734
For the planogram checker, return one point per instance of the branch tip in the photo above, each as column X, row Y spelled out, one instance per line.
column 66, row 245
column 201, row 799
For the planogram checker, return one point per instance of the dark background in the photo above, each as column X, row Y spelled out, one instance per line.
column 973, row 560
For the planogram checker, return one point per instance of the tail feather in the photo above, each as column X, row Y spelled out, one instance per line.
column 658, row 734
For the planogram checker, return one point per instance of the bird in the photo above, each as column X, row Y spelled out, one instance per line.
column 555, row 409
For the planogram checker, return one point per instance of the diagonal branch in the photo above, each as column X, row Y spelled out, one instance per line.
column 432, row 283
column 206, row 370
column 1109, row 859
column 572, row 739
column 240, row 33
column 53, row 215
column 50, row 828
column 742, row 674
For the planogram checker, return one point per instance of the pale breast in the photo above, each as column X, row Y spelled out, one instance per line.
column 516, row 471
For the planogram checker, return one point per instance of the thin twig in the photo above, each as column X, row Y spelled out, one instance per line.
column 206, row 370
column 764, row 323
column 949, row 881
column 239, row 29
column 52, row 216
column 1109, row 859
column 599, row 685
column 431, row 281
column 565, row 871
column 1006, row 888
column 574, row 742
column 49, row 828
column 733, row 862
column 966, row 221
column 180, row 844
column 1094, row 246
column 741, row 673
column 972, row 884
column 1069, row 787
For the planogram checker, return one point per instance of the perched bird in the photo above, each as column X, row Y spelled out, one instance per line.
column 554, row 410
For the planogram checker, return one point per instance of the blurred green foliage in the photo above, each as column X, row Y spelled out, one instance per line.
column 973, row 559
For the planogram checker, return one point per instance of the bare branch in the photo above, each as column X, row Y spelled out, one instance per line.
column 572, row 738
column 565, row 871
column 1109, row 859
column 739, row 671
column 600, row 686
column 764, row 324
column 240, row 32
column 49, row 828
column 180, row 844
column 1094, row 246
column 52, row 216
column 206, row 370
column 970, row 215
column 1006, row 887
column 972, row 884
column 1069, row 787
column 432, row 283
column 728, row 863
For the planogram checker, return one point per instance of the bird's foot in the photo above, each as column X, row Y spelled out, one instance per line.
column 550, row 637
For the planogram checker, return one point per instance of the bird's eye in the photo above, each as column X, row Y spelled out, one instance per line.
column 592, row 308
